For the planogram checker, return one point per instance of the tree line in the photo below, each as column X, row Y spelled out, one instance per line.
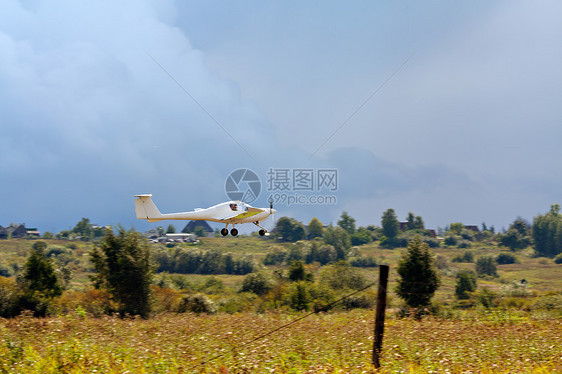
column 544, row 234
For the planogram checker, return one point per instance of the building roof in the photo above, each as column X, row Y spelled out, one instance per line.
column 192, row 225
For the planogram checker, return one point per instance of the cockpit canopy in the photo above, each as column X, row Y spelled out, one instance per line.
column 238, row 207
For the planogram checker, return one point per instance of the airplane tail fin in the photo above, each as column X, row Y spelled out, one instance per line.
column 146, row 209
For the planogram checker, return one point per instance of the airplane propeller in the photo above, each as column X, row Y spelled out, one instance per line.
column 270, row 201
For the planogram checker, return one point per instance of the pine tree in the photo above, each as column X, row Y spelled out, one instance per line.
column 124, row 267
column 347, row 223
column 39, row 282
column 390, row 224
column 466, row 283
column 418, row 276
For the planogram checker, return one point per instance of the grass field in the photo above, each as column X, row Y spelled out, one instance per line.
column 493, row 342
column 506, row 339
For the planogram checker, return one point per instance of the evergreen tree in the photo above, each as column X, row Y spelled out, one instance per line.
column 300, row 296
column 418, row 276
column 517, row 236
column 39, row 281
column 83, row 229
column 347, row 223
column 390, row 224
column 466, row 283
column 297, row 272
column 171, row 229
column 315, row 228
column 410, row 221
column 547, row 232
column 124, row 267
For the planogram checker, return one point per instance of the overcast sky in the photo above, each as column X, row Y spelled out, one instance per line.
column 450, row 110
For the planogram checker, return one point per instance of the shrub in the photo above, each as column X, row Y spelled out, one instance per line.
column 558, row 259
column 363, row 262
column 326, row 254
column 341, row 276
column 487, row 298
column 467, row 235
column 361, row 237
column 549, row 302
column 506, row 258
column 464, row 244
column 276, row 255
column 257, row 283
column 432, row 242
column 56, row 250
column 486, row 265
column 8, row 298
column 441, row 262
column 242, row 302
column 467, row 256
column 197, row 304
column 5, row 270
column 451, row 240
column 365, row 300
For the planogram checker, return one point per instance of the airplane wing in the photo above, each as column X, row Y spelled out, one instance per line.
column 240, row 215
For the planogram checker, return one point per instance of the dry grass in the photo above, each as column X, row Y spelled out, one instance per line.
column 330, row 343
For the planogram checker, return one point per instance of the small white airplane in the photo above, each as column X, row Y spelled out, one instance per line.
column 230, row 213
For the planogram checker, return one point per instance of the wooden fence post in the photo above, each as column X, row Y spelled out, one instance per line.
column 379, row 317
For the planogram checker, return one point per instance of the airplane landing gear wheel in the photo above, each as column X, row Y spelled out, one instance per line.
column 261, row 232
column 224, row 232
column 234, row 232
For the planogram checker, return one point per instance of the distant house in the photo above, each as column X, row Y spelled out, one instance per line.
column 193, row 225
column 404, row 227
column 472, row 228
column 33, row 232
column 152, row 234
column 17, row 231
column 3, row 233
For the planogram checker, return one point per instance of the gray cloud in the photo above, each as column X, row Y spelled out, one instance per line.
column 88, row 119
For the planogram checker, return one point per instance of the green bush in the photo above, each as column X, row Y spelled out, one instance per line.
column 342, row 276
column 432, row 242
column 198, row 304
column 466, row 284
column 451, row 240
column 549, row 302
column 243, row 302
column 467, row 256
column 363, row 262
column 486, row 265
column 257, row 283
column 275, row 256
column 558, row 259
column 5, row 270
column 506, row 258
